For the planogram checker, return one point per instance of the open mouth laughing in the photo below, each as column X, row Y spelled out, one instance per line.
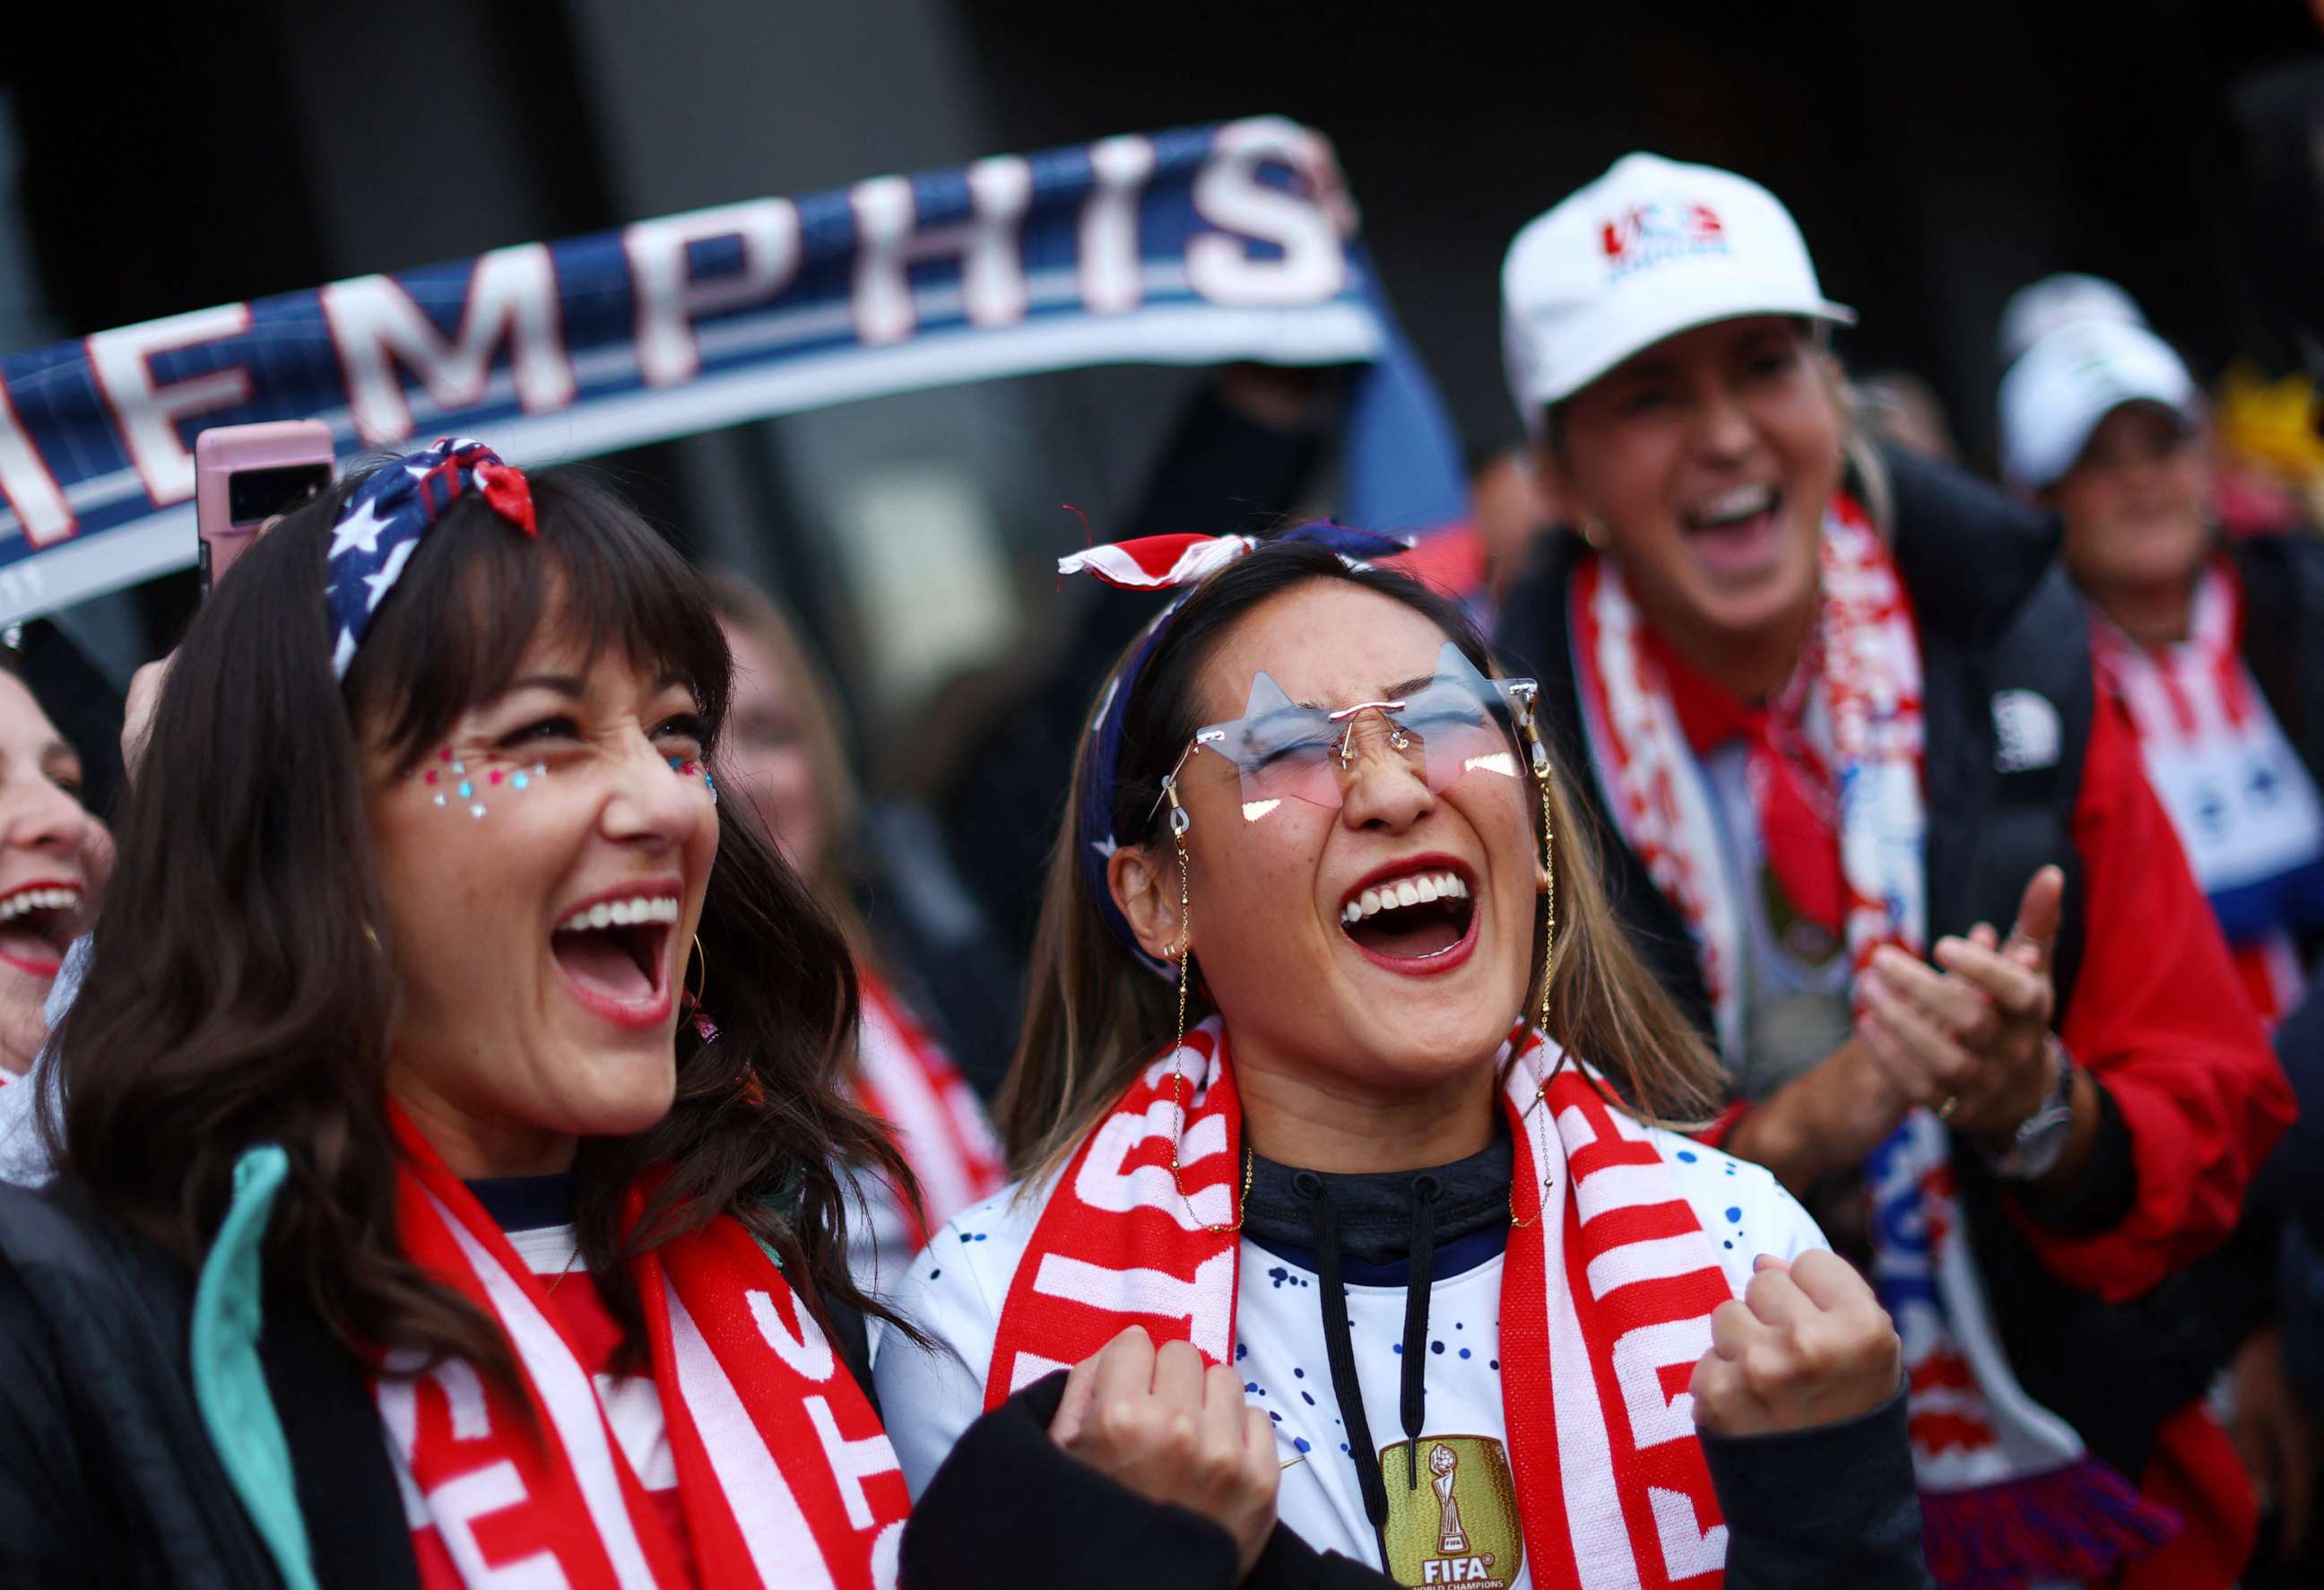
column 614, row 951
column 1417, row 917
column 1735, row 532
column 38, row 922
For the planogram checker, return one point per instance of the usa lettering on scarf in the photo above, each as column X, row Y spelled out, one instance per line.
column 785, row 1477
column 2009, row 1495
column 904, row 1076
column 1606, row 1299
column 2244, row 808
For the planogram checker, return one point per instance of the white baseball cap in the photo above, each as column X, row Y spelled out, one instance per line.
column 1651, row 249
column 2040, row 308
column 2059, row 390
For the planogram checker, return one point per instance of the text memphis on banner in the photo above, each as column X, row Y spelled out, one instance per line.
column 1229, row 242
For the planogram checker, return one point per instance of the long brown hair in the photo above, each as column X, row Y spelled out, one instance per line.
column 239, row 991
column 1095, row 1012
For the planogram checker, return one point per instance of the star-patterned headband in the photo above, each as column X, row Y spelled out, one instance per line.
column 1154, row 563
column 380, row 525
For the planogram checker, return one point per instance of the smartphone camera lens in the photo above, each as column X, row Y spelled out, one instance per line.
column 253, row 495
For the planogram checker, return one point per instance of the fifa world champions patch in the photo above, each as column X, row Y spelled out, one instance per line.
column 1458, row 1525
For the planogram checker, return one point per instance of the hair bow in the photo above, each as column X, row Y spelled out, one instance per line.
column 1160, row 562
column 381, row 523
column 1166, row 562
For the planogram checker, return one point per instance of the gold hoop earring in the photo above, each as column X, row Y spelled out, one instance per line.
column 1179, row 823
column 695, row 994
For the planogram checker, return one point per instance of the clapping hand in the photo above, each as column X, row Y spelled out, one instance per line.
column 1973, row 1041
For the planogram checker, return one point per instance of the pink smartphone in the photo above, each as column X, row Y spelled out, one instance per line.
column 244, row 474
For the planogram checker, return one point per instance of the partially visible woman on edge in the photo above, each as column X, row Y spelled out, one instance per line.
column 2215, row 649
column 1508, row 1330
column 783, row 755
column 406, row 1233
column 1837, row 725
column 53, row 859
column 2211, row 647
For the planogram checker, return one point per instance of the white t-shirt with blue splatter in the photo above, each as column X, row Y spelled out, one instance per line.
column 956, row 1289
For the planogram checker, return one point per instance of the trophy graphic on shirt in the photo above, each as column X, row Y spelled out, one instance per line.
column 1451, row 1537
column 1462, row 1526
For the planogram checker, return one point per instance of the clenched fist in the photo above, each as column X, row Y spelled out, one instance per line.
column 1172, row 1430
column 1807, row 1345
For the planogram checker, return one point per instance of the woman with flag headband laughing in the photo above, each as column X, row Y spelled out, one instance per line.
column 1398, row 1179
column 1838, row 712
column 449, row 1161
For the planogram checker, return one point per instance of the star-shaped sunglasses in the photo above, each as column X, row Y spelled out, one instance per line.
column 1444, row 727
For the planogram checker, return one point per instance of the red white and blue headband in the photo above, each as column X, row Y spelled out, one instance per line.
column 1155, row 563
column 380, row 525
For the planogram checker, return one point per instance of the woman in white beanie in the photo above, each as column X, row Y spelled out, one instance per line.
column 1831, row 755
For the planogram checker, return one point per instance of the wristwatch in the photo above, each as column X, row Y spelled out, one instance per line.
column 2042, row 1136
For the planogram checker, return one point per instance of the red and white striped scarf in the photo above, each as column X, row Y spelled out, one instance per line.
column 2204, row 734
column 1606, row 1300
column 904, row 1076
column 1858, row 723
column 2008, row 1494
column 785, row 1475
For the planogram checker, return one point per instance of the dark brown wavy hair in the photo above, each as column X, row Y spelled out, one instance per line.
column 239, row 991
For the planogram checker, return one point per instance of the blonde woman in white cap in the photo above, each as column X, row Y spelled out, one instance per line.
column 1829, row 755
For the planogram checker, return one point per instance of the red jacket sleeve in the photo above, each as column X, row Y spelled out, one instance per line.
column 2160, row 1018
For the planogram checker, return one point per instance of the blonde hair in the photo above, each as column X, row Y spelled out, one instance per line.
column 1095, row 1013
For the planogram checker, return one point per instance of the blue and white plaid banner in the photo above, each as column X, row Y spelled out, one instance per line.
column 1228, row 243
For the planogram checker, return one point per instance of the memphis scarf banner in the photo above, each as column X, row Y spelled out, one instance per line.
column 1221, row 243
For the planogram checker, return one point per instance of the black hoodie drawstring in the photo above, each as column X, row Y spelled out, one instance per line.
column 1412, row 1405
column 1340, row 1349
column 1339, row 1345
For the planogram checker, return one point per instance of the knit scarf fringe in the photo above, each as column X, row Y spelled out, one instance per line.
column 2082, row 1522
